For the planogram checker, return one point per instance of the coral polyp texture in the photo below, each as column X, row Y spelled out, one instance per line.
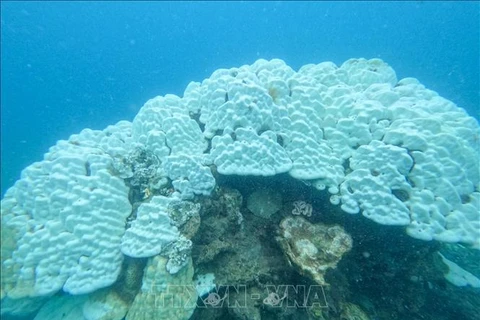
column 392, row 150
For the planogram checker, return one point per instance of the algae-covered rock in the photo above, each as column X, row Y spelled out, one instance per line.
column 351, row 311
column 245, row 308
column 313, row 248
column 265, row 202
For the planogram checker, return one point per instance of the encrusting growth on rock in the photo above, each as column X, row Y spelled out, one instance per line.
column 313, row 248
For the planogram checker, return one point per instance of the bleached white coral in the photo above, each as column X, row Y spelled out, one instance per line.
column 151, row 231
column 63, row 221
column 379, row 145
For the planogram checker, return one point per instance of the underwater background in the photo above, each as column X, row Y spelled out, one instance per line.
column 66, row 66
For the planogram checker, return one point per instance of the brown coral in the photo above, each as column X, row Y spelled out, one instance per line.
column 313, row 248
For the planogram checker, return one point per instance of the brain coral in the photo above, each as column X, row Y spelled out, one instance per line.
column 392, row 150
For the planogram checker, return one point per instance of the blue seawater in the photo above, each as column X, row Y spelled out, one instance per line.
column 66, row 66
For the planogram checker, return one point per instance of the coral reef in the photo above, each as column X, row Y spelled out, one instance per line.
column 398, row 278
column 114, row 223
column 236, row 251
column 313, row 248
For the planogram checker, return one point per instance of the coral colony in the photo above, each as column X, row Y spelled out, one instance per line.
column 240, row 200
